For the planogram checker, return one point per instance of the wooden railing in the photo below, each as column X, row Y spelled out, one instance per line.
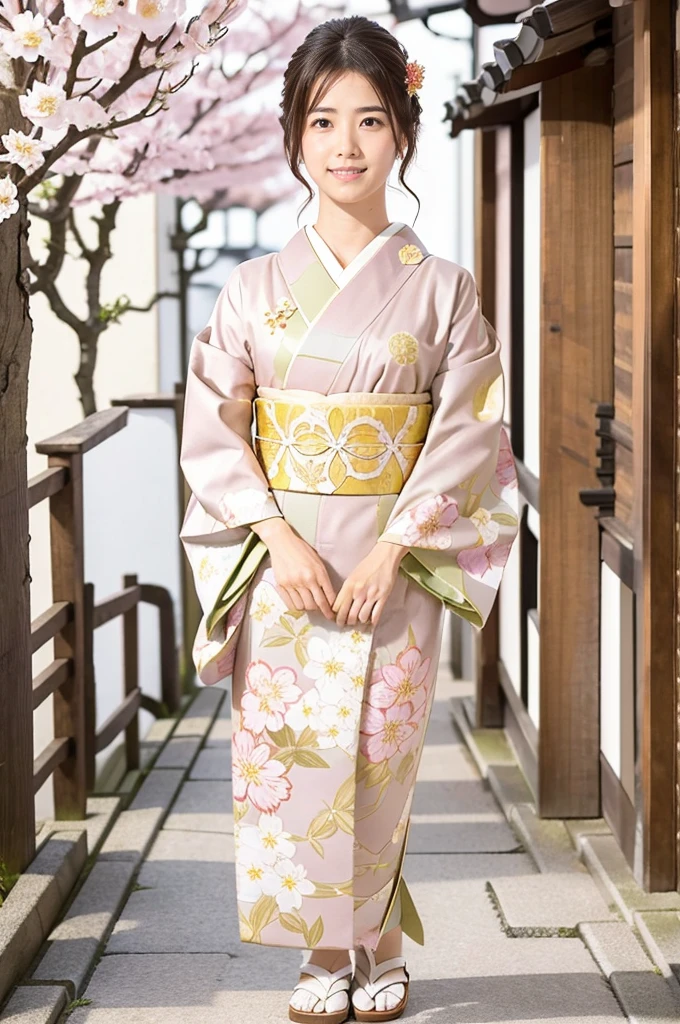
column 70, row 622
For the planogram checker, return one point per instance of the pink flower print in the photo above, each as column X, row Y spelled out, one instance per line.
column 506, row 473
column 384, row 732
column 268, row 695
column 428, row 524
column 257, row 777
column 402, row 682
column 478, row 560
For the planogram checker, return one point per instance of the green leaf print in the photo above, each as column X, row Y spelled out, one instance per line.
column 326, row 890
column 344, row 798
column 277, row 641
column 286, row 625
column 240, row 810
column 405, row 767
column 411, row 637
column 315, row 933
column 291, row 922
column 286, row 757
column 374, row 774
column 309, row 759
column 504, row 518
column 261, row 915
column 307, row 738
column 283, row 737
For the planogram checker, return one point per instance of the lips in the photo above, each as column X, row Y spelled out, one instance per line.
column 347, row 174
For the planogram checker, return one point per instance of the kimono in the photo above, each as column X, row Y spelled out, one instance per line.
column 362, row 404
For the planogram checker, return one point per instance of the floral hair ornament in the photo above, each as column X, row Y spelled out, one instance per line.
column 415, row 73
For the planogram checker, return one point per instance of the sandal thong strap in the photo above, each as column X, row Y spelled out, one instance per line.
column 322, row 983
column 375, row 981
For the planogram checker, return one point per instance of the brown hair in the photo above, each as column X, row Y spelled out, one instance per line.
column 331, row 49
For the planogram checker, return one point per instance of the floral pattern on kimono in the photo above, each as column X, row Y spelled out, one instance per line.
column 329, row 722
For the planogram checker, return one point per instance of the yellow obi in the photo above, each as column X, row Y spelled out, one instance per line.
column 359, row 443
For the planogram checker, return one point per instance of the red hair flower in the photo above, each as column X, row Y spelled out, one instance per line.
column 415, row 74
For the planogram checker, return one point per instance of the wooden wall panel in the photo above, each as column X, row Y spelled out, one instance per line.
column 623, row 257
column 576, row 374
column 654, row 426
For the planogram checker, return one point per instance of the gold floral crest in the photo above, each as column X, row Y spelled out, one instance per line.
column 283, row 312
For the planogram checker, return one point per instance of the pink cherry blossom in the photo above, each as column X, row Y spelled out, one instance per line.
column 268, row 695
column 384, row 732
column 257, row 776
column 478, row 560
column 428, row 524
column 29, row 38
column 402, row 682
column 506, row 473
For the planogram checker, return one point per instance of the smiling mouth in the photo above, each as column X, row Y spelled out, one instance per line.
column 347, row 174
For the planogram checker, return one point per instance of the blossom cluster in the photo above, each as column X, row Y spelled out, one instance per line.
column 265, row 867
column 90, row 67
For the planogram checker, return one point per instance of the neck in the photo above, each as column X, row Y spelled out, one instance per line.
column 346, row 230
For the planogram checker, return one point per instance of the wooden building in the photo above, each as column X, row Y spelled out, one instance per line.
column 577, row 262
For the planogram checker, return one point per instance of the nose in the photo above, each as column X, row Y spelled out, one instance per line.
column 347, row 141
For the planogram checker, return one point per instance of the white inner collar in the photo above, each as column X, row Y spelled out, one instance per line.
column 340, row 274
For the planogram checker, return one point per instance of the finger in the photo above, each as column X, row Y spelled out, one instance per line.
column 366, row 610
column 377, row 610
column 342, row 611
column 354, row 610
column 283, row 592
column 322, row 601
column 307, row 598
column 298, row 603
column 341, row 598
column 324, row 582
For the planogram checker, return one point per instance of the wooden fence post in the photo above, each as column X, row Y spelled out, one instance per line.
column 131, row 670
column 66, row 538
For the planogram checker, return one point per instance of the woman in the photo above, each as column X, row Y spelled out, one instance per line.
column 376, row 489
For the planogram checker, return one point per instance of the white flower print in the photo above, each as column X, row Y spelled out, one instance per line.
column 330, row 666
column 488, row 528
column 266, row 606
column 265, row 842
column 251, row 873
column 288, row 883
column 339, row 725
column 305, row 713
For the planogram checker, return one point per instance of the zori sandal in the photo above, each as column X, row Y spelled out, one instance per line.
column 370, row 980
column 329, row 1002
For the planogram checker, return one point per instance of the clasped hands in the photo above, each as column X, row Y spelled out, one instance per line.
column 304, row 584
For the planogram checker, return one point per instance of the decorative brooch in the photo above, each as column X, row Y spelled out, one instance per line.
column 283, row 311
column 415, row 73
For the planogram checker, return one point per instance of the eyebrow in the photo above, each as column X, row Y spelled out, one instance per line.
column 357, row 110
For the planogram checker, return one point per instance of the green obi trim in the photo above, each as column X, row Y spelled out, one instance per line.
column 433, row 571
column 253, row 552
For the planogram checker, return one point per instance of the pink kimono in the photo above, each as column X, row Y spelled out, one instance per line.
column 359, row 403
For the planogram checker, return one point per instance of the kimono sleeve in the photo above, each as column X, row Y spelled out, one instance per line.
column 217, row 456
column 458, row 511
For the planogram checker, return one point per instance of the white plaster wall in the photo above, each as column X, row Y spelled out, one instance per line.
column 127, row 362
column 617, row 677
column 532, row 290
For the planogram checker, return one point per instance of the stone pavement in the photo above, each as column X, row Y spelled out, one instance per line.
column 503, row 941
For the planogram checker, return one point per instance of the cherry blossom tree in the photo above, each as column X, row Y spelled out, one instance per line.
column 218, row 137
column 72, row 72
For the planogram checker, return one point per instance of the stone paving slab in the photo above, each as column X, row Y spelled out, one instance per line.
column 203, row 807
column 645, row 996
column 178, row 752
column 606, row 861
column 75, row 940
column 212, row 763
column 221, row 729
column 487, row 746
column 100, row 811
column 460, row 833
column 35, row 1004
column 35, row 901
column 660, row 932
column 550, row 901
column 136, row 827
column 508, row 785
column 199, row 716
column 547, row 841
column 187, row 899
column 446, row 762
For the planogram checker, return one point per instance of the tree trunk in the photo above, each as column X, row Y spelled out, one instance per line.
column 17, row 814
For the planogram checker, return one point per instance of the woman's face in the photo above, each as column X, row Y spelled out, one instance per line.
column 349, row 128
